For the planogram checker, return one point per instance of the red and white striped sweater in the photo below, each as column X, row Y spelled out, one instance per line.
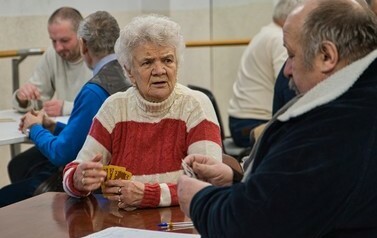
column 151, row 139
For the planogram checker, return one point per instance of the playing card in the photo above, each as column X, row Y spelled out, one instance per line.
column 110, row 172
column 116, row 172
column 120, row 174
column 188, row 170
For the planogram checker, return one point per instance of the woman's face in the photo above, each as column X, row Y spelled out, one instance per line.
column 154, row 71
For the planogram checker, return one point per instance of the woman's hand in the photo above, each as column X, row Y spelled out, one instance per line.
column 127, row 193
column 89, row 175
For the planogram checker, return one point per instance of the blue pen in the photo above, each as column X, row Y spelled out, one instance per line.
column 175, row 224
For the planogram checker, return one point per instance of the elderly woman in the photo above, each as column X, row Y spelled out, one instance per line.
column 151, row 127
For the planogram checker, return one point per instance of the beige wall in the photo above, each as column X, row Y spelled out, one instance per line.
column 212, row 68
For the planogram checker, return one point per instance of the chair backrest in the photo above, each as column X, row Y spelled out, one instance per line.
column 227, row 143
column 215, row 106
column 233, row 163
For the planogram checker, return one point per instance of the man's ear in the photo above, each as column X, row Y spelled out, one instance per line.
column 84, row 48
column 329, row 56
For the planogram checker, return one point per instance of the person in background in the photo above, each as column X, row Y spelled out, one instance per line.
column 149, row 128
column 56, row 81
column 251, row 103
column 314, row 170
column 58, row 143
column 282, row 91
column 60, row 73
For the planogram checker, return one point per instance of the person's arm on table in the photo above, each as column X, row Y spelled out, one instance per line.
column 39, row 86
column 61, row 148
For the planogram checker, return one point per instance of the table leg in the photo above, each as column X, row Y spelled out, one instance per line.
column 15, row 149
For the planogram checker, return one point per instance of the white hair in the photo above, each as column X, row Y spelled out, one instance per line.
column 151, row 28
column 282, row 8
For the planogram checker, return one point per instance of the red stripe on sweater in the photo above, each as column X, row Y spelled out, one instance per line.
column 98, row 132
column 151, row 148
column 173, row 194
column 205, row 130
column 70, row 184
column 151, row 196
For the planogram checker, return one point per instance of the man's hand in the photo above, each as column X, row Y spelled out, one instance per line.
column 29, row 119
column 53, row 107
column 187, row 188
column 27, row 92
column 210, row 170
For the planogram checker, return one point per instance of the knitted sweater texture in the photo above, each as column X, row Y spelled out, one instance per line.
column 151, row 139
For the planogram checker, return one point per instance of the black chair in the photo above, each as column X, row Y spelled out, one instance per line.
column 229, row 147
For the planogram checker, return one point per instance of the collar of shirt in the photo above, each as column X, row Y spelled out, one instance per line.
column 102, row 62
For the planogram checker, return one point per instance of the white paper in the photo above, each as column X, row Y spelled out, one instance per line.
column 120, row 232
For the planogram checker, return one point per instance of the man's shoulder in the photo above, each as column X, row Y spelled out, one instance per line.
column 51, row 54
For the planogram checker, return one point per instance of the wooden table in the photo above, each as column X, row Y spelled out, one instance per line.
column 58, row 215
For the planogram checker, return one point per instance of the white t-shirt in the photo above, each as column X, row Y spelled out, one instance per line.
column 260, row 65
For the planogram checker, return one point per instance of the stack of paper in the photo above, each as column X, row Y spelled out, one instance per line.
column 118, row 232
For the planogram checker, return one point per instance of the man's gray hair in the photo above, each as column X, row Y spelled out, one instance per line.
column 283, row 8
column 151, row 28
column 351, row 26
column 99, row 30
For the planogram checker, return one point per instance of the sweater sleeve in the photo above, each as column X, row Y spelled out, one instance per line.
column 42, row 79
column 90, row 148
column 67, row 108
column 68, row 173
column 203, row 128
column 59, row 127
column 160, row 195
column 64, row 148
